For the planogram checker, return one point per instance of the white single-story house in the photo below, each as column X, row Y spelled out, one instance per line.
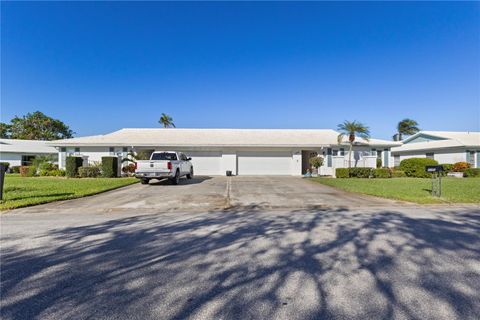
column 242, row 151
column 22, row 152
column 445, row 147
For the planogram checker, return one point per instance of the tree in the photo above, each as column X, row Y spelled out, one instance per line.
column 406, row 127
column 38, row 126
column 4, row 130
column 351, row 130
column 166, row 121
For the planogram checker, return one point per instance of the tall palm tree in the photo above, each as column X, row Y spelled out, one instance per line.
column 406, row 127
column 351, row 130
column 166, row 121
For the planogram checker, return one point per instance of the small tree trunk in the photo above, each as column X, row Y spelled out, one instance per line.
column 350, row 156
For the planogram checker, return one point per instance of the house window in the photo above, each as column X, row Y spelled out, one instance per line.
column 27, row 160
column 63, row 149
column 77, row 150
column 429, row 155
column 374, row 152
column 379, row 154
column 342, row 151
column 335, row 153
column 125, row 149
column 111, row 150
column 396, row 160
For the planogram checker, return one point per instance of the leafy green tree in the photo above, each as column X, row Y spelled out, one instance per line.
column 166, row 121
column 38, row 126
column 406, row 127
column 351, row 130
column 4, row 130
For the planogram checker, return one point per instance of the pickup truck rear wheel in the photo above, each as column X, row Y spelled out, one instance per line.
column 175, row 180
column 190, row 175
column 144, row 181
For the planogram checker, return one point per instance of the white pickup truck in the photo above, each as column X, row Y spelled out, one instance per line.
column 164, row 164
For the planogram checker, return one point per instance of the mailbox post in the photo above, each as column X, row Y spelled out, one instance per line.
column 2, row 179
column 436, row 179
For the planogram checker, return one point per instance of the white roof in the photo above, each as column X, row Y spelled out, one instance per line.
column 451, row 140
column 25, row 146
column 179, row 137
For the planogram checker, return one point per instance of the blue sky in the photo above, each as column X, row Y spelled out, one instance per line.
column 101, row 66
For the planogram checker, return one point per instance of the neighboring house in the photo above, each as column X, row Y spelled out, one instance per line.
column 22, row 152
column 445, row 147
column 243, row 151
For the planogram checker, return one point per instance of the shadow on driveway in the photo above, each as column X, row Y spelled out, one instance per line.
column 310, row 264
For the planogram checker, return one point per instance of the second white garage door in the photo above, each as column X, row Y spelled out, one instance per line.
column 205, row 162
column 265, row 163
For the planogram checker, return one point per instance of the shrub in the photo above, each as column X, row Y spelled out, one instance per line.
column 471, row 172
column 43, row 173
column 360, row 172
column 6, row 164
column 15, row 169
column 398, row 174
column 109, row 167
column 130, row 168
column 88, row 172
column 72, row 165
column 447, row 167
column 460, row 166
column 381, row 173
column 57, row 173
column 415, row 167
column 342, row 173
column 379, row 163
column 28, row 171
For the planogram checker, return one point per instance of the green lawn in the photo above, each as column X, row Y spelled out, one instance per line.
column 22, row 191
column 454, row 190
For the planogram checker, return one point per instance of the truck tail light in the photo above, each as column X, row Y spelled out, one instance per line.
column 169, row 165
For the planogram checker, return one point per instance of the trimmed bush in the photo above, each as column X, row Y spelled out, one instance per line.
column 88, row 172
column 398, row 174
column 447, row 167
column 471, row 172
column 28, row 171
column 460, row 166
column 360, row 172
column 342, row 173
column 72, row 165
column 6, row 164
column 415, row 167
column 379, row 163
column 109, row 167
column 130, row 168
column 381, row 173
column 57, row 173
column 15, row 169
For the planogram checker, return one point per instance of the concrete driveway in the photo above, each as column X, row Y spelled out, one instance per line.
column 217, row 193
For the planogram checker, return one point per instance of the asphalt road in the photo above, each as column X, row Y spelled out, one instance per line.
column 332, row 263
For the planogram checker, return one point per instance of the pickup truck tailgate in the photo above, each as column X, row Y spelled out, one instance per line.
column 152, row 166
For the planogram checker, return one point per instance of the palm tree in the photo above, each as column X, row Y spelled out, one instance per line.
column 352, row 129
column 406, row 127
column 166, row 121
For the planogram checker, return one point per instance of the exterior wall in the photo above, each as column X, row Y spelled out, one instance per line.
column 442, row 156
column 15, row 159
column 93, row 154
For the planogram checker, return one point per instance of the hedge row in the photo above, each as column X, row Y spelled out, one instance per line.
column 368, row 173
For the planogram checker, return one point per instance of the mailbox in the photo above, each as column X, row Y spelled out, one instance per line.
column 433, row 168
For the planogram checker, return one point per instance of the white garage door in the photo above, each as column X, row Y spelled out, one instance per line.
column 205, row 162
column 265, row 163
